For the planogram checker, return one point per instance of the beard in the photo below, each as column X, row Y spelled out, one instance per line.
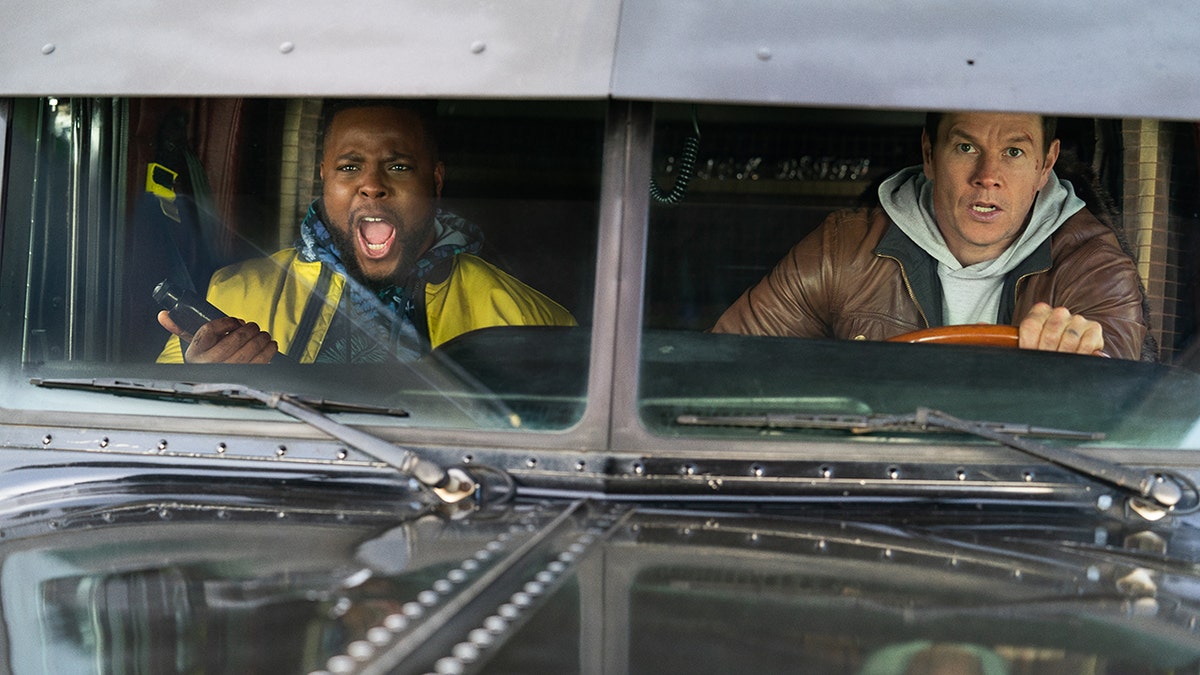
column 408, row 239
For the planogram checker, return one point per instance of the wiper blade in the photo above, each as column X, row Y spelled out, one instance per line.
column 449, row 485
column 1153, row 486
column 868, row 424
column 215, row 393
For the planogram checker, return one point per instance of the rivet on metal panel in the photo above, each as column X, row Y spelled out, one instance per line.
column 448, row 666
column 48, row 48
column 480, row 638
column 465, row 652
column 379, row 636
column 341, row 664
column 360, row 650
column 478, row 46
column 286, row 47
column 395, row 622
column 46, row 439
column 508, row 611
column 764, row 54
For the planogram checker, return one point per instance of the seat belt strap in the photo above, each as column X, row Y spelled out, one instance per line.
column 312, row 312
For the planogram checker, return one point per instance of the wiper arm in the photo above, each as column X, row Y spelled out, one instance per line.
column 449, row 485
column 1152, row 486
column 1147, row 485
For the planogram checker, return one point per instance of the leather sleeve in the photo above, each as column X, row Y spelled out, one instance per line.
column 792, row 300
column 1094, row 277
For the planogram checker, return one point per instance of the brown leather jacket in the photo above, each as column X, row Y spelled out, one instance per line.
column 859, row 277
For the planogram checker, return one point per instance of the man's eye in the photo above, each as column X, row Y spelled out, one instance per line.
column 965, row 147
column 348, row 167
column 1014, row 152
column 399, row 167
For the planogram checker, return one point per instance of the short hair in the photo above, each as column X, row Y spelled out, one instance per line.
column 1049, row 128
column 424, row 109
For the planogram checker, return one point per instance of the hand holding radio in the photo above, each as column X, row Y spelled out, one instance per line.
column 209, row 335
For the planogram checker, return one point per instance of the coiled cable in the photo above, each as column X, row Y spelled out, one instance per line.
column 687, row 168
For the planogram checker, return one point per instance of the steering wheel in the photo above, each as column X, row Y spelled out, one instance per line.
column 989, row 335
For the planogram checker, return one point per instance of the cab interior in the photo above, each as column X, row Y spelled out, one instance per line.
column 241, row 172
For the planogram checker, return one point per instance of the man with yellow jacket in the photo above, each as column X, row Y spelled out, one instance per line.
column 379, row 272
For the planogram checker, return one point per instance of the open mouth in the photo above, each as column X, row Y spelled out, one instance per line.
column 984, row 212
column 375, row 236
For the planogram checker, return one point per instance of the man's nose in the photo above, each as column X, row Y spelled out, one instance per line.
column 371, row 183
column 987, row 172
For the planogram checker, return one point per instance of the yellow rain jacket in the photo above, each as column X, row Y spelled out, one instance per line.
column 274, row 292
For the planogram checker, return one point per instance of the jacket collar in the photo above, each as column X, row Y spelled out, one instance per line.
column 919, row 270
column 1039, row 261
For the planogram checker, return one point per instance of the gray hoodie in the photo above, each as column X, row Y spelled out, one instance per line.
column 971, row 294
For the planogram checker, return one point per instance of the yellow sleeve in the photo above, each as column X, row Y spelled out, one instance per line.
column 479, row 295
column 172, row 352
column 271, row 292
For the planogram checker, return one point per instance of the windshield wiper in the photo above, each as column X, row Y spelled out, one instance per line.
column 449, row 485
column 216, row 393
column 869, row 424
column 1152, row 486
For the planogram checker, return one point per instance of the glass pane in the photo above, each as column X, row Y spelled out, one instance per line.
column 806, row 239
column 404, row 255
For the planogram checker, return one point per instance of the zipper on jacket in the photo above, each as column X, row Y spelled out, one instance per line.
column 908, row 287
column 1017, row 291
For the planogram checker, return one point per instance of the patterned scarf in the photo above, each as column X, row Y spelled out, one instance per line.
column 383, row 322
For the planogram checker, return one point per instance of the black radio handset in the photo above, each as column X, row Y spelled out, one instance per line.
column 188, row 310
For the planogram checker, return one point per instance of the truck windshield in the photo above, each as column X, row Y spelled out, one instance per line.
column 787, row 246
column 361, row 238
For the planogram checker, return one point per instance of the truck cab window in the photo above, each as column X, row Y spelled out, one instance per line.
column 431, row 228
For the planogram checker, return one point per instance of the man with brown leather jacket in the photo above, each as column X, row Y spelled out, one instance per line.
column 983, row 232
